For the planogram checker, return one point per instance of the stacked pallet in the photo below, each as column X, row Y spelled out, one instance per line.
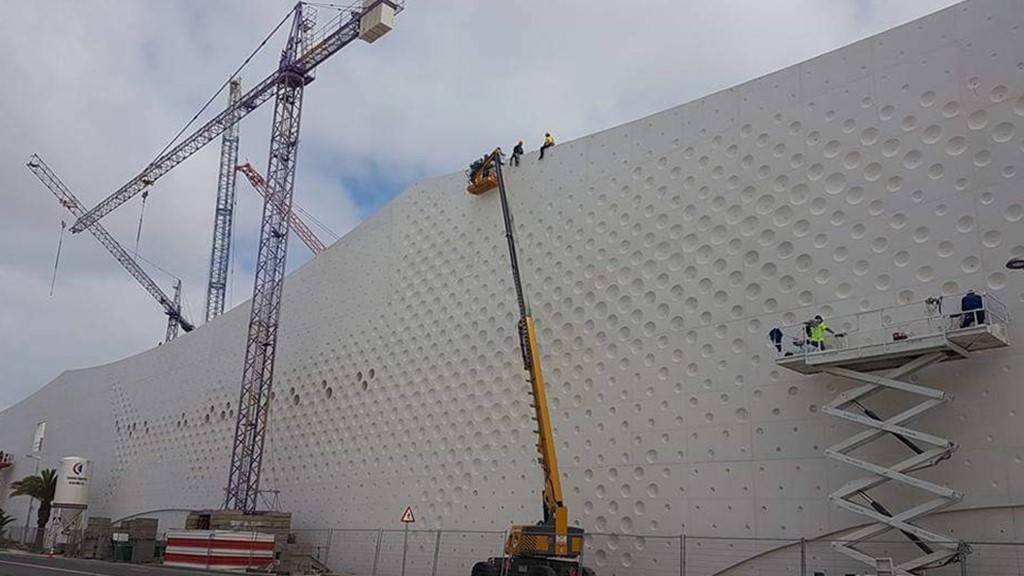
column 96, row 538
column 295, row 558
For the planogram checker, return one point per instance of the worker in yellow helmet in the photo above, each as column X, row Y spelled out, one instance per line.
column 549, row 141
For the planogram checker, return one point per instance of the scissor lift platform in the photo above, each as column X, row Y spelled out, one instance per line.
column 879, row 350
column 871, row 357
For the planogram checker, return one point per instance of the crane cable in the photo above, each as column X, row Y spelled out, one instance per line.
column 60, row 244
column 142, row 212
column 224, row 85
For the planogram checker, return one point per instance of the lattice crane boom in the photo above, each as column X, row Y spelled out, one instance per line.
column 347, row 29
column 297, row 225
column 224, row 214
column 73, row 205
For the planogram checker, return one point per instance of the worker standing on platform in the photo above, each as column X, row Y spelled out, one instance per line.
column 517, row 152
column 973, row 308
column 818, row 330
column 549, row 141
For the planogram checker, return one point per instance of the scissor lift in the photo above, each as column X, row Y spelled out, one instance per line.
column 880, row 352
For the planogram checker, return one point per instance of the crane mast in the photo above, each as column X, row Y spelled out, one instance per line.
column 297, row 225
column 224, row 214
column 261, row 343
column 67, row 199
column 302, row 54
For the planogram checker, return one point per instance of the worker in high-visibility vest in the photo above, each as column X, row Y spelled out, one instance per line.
column 818, row 330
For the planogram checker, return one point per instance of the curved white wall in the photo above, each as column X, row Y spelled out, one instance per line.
column 656, row 256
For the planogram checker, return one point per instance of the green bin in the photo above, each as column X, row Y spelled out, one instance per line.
column 122, row 552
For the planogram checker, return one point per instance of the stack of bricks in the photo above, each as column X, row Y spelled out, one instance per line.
column 142, row 535
column 276, row 523
column 294, row 558
column 96, row 538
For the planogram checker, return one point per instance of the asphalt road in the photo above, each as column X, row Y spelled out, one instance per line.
column 32, row 565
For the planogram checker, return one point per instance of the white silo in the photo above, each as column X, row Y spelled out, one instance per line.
column 73, row 483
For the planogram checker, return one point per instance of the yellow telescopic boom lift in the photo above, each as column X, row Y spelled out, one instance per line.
column 551, row 547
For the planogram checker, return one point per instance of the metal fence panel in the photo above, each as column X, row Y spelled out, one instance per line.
column 742, row 557
column 352, row 551
column 459, row 551
column 418, row 555
column 626, row 555
column 319, row 542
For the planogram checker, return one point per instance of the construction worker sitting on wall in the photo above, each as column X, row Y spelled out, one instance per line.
column 817, row 329
column 549, row 141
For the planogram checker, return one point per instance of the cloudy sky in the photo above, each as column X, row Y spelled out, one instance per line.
column 98, row 87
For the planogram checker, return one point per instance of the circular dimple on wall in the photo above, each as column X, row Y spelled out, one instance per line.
column 956, row 145
column 912, row 159
column 965, row 224
column 996, row 281
column 977, row 120
column 869, row 136
column 891, row 147
column 835, row 183
column 951, row 109
column 944, row 249
column 872, row 171
column 982, row 158
column 931, row 134
column 1003, row 132
column 798, row 194
column 1013, row 212
column 991, row 239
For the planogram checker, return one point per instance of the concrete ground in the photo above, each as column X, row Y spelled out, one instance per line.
column 21, row 564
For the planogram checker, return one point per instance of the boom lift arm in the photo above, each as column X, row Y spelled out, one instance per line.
column 551, row 541
column 73, row 205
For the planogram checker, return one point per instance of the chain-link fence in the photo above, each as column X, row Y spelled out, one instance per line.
column 453, row 553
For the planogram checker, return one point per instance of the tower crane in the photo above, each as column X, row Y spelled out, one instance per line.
column 172, row 307
column 551, row 547
column 297, row 225
column 368, row 22
column 303, row 53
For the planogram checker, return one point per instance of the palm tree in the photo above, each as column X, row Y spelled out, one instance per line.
column 41, row 487
column 5, row 519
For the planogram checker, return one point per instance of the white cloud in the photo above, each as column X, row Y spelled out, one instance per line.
column 97, row 88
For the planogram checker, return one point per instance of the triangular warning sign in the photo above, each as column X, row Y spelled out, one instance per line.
column 407, row 517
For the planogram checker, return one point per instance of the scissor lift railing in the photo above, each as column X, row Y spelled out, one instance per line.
column 879, row 350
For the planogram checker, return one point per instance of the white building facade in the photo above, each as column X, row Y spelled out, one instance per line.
column 656, row 255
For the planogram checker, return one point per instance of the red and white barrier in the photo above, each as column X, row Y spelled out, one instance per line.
column 219, row 549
